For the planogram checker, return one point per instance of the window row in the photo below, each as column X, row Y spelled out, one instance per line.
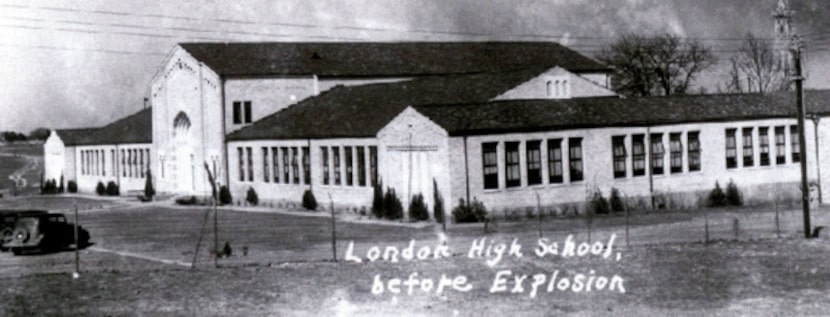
column 132, row 162
column 242, row 112
column 656, row 150
column 748, row 136
column 534, row 163
column 346, row 165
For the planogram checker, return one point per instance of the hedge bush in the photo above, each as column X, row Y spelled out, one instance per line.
column 418, row 209
column 617, row 204
column 100, row 189
column 716, row 197
column 72, row 187
column 392, row 207
column 733, row 195
column 225, row 197
column 309, row 202
column 467, row 213
column 149, row 190
column 597, row 204
column 438, row 209
column 377, row 200
column 252, row 197
column 112, row 189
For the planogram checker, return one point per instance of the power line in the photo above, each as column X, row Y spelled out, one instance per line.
column 94, row 50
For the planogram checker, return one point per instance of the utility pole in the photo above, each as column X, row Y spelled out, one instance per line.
column 796, row 48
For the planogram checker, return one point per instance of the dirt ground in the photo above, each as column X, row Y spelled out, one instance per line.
column 140, row 264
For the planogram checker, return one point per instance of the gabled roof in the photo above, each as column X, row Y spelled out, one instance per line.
column 547, row 115
column 361, row 111
column 135, row 128
column 378, row 59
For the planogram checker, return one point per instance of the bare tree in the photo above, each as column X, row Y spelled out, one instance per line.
column 659, row 65
column 756, row 69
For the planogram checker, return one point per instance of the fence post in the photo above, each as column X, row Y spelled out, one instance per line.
column 539, row 213
column 333, row 231
column 625, row 209
column 706, row 225
column 77, row 272
column 777, row 221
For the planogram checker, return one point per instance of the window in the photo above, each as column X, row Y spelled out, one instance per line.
column 335, row 155
column 731, row 149
column 250, row 165
column 112, row 157
column 693, row 143
column 794, row 144
column 511, row 159
column 780, row 146
column 549, row 88
column 489, row 159
column 266, row 172
column 237, row 112
column 324, row 158
column 123, row 164
column 534, row 162
column 131, row 162
column 140, row 164
column 295, row 165
column 306, row 166
column 749, row 155
column 361, row 166
column 373, row 164
column 575, row 158
column 676, row 148
column 347, row 151
column 248, row 116
column 555, row 161
column 763, row 146
column 241, row 164
column 286, row 179
column 657, row 154
column 275, row 161
column 618, row 151
column 638, row 154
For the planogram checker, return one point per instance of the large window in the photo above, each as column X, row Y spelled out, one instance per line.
column 534, row 162
column 794, row 144
column 275, row 164
column 512, row 169
column 763, row 146
column 676, row 148
column 237, row 112
column 324, row 158
column 286, row 165
column 361, row 166
column 780, row 146
column 693, row 146
column 335, row 155
column 489, row 158
column 250, row 165
column 749, row 153
column 306, row 166
column 347, row 151
column 618, row 145
column 242, row 112
column 241, row 155
column 638, row 154
column 657, row 154
column 266, row 171
column 555, row 161
column 295, row 165
column 731, row 149
column 373, row 164
column 248, row 116
column 575, row 158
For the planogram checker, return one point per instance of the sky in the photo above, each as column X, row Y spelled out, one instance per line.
column 67, row 64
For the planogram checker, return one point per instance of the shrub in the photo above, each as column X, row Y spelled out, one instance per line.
column 392, row 207
column 418, row 209
column 597, row 204
column 186, row 200
column 149, row 191
column 252, row 197
column 716, row 197
column 225, row 195
column 466, row 213
column 617, row 204
column 112, row 189
column 733, row 195
column 377, row 200
column 72, row 187
column 100, row 189
column 438, row 209
column 49, row 187
column 309, row 202
column 60, row 185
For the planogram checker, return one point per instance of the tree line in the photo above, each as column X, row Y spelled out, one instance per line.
column 39, row 134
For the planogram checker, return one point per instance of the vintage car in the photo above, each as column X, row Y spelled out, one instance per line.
column 44, row 232
column 8, row 218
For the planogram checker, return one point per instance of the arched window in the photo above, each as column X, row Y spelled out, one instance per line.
column 181, row 123
column 549, row 88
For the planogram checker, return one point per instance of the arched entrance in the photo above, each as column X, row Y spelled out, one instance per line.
column 181, row 161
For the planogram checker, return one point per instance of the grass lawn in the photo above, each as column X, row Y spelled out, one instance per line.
column 34, row 149
column 761, row 278
column 9, row 165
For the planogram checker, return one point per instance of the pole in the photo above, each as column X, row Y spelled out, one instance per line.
column 333, row 232
column 76, row 274
column 802, row 146
column 816, row 120
column 539, row 212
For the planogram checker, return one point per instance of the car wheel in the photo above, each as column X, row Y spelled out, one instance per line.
column 17, row 251
column 6, row 235
column 21, row 235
